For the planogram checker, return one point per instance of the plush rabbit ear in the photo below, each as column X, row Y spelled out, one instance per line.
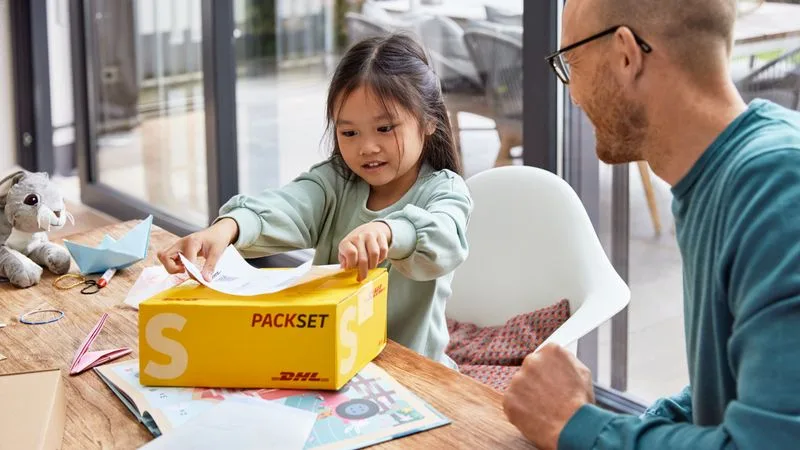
column 14, row 179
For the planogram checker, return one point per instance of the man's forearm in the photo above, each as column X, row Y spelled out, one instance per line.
column 676, row 409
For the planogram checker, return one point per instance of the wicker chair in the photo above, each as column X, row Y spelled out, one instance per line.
column 498, row 59
column 359, row 27
column 500, row 16
column 444, row 41
column 778, row 81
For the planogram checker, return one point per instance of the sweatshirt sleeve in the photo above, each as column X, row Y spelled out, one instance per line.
column 284, row 219
column 761, row 252
column 430, row 241
column 676, row 408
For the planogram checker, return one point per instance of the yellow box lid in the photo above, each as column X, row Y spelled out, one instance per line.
column 325, row 291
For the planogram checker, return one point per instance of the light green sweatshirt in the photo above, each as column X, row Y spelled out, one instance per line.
column 319, row 208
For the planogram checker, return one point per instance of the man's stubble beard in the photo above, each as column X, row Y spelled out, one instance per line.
column 620, row 124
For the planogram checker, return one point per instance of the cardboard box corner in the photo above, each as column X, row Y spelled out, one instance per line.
column 34, row 409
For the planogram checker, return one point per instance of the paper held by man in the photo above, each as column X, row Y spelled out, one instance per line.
column 232, row 275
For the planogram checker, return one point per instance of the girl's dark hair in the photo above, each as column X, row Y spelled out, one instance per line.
column 396, row 69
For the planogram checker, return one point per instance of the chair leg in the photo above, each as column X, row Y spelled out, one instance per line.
column 504, row 155
column 508, row 140
column 455, row 126
column 644, row 171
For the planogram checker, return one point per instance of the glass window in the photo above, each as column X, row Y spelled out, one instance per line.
column 287, row 51
column 283, row 57
column 149, row 118
column 656, row 353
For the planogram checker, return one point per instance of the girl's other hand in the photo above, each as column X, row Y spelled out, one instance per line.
column 209, row 243
column 365, row 247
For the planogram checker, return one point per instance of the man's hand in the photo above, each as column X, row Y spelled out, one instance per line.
column 551, row 386
column 365, row 247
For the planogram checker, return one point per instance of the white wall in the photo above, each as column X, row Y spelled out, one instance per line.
column 7, row 140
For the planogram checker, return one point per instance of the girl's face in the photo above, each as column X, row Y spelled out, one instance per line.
column 382, row 149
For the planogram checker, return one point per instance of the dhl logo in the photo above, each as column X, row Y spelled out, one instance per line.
column 378, row 289
column 300, row 376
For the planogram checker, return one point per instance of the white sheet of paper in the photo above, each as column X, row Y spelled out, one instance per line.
column 152, row 281
column 241, row 425
column 233, row 275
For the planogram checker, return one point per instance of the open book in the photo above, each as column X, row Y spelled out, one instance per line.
column 370, row 409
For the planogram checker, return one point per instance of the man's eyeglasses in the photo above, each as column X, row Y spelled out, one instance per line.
column 560, row 65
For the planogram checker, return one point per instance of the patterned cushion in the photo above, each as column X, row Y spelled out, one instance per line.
column 493, row 354
column 496, row 377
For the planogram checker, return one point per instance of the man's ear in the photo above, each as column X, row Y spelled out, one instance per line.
column 629, row 56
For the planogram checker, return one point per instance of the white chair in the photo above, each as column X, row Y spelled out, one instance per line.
column 531, row 245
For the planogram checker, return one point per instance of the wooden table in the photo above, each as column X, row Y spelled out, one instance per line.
column 97, row 419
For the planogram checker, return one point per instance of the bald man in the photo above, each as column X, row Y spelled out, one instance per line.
column 653, row 77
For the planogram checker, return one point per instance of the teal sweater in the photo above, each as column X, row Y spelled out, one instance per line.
column 320, row 207
column 737, row 213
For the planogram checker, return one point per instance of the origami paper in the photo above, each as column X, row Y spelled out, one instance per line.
column 112, row 254
column 85, row 359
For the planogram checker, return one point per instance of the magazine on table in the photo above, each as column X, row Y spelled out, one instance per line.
column 370, row 409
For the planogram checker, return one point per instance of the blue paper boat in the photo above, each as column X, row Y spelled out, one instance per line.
column 113, row 254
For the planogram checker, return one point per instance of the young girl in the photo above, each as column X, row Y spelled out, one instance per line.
column 389, row 196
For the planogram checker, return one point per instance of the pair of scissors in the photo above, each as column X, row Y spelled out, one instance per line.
column 91, row 286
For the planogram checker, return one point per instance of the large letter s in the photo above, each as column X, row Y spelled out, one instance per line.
column 349, row 340
column 179, row 358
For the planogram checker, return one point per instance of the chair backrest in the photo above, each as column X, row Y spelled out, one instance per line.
column 502, row 17
column 778, row 80
column 498, row 59
column 375, row 12
column 360, row 27
column 513, row 31
column 532, row 244
column 443, row 39
column 443, row 35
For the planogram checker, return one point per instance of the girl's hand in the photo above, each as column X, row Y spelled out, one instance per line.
column 365, row 247
column 209, row 243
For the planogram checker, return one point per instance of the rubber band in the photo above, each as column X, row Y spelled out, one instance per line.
column 37, row 311
column 80, row 281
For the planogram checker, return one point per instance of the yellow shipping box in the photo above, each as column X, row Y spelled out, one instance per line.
column 316, row 335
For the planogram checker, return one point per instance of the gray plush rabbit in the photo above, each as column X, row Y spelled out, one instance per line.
column 30, row 207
